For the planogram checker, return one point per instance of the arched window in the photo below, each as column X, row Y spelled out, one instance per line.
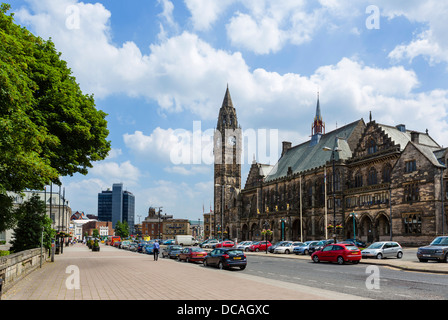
column 358, row 179
column 371, row 146
column 387, row 171
column 372, row 177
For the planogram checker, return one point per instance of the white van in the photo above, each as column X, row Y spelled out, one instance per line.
column 186, row 240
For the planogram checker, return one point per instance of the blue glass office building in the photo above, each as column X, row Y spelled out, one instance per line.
column 117, row 205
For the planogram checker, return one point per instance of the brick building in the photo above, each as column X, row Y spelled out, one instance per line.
column 104, row 228
column 374, row 180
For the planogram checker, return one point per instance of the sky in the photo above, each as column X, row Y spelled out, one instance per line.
column 160, row 69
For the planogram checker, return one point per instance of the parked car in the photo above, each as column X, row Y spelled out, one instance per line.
column 125, row 244
column 225, row 258
column 358, row 243
column 304, row 249
column 244, row 245
column 437, row 250
column 117, row 244
column 286, row 248
column 225, row 244
column 259, row 246
column 340, row 253
column 192, row 254
column 383, row 249
column 318, row 246
column 169, row 242
column 133, row 246
column 171, row 251
column 275, row 245
column 205, row 242
column 140, row 246
column 210, row 243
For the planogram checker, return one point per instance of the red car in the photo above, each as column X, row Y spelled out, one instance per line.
column 192, row 254
column 225, row 244
column 260, row 246
column 338, row 252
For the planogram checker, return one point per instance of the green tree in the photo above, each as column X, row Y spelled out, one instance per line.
column 122, row 229
column 49, row 128
column 32, row 219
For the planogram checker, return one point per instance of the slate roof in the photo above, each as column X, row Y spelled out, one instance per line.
column 306, row 156
column 426, row 145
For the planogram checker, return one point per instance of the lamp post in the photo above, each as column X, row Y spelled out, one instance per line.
column 353, row 214
column 160, row 210
column 282, row 222
column 335, row 149
column 266, row 226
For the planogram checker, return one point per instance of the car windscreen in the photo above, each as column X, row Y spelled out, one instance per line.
column 440, row 241
column 235, row 252
column 196, row 250
column 351, row 248
column 376, row 245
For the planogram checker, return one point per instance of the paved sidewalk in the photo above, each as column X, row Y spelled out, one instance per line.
column 115, row 274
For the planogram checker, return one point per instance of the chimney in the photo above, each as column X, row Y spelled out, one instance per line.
column 286, row 145
column 414, row 136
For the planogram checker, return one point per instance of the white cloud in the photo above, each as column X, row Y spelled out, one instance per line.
column 113, row 172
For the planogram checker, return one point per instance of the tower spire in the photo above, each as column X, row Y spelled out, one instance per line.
column 318, row 126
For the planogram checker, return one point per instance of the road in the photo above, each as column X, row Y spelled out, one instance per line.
column 353, row 279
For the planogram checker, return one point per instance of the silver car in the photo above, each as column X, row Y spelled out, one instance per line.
column 383, row 249
column 244, row 245
column 286, row 247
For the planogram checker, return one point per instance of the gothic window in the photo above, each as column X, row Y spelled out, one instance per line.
column 231, row 120
column 358, row 179
column 411, row 192
column 320, row 192
column 309, row 194
column 224, row 119
column 372, row 177
column 371, row 146
column 410, row 166
column 413, row 224
column 387, row 171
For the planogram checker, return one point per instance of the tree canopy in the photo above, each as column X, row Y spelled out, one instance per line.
column 49, row 128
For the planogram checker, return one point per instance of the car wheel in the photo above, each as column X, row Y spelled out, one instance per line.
column 446, row 258
column 423, row 260
column 306, row 252
column 287, row 251
column 379, row 256
column 178, row 259
column 340, row 260
column 205, row 263
column 399, row 255
column 187, row 260
column 220, row 266
column 256, row 250
column 242, row 267
column 316, row 259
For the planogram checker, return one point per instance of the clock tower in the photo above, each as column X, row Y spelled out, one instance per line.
column 227, row 156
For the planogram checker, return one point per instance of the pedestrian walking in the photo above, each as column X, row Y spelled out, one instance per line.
column 156, row 248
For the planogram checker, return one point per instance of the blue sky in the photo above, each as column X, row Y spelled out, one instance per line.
column 160, row 68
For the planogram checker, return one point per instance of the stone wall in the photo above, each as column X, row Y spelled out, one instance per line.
column 16, row 266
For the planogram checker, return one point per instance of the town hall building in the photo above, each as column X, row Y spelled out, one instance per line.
column 372, row 181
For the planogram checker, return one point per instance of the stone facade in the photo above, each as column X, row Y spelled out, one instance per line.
column 373, row 181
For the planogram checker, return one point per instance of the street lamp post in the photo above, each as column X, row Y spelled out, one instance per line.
column 266, row 226
column 353, row 214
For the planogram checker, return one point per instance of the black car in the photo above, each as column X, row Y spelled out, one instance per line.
column 225, row 258
column 318, row 246
column 140, row 246
column 171, row 251
column 437, row 250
